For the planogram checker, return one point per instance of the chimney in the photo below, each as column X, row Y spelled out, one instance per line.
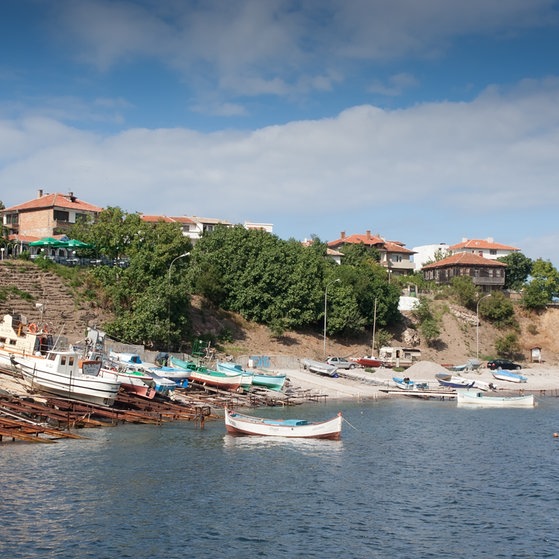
column 40, row 193
column 368, row 234
column 342, row 235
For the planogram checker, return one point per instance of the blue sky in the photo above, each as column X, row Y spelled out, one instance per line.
column 424, row 122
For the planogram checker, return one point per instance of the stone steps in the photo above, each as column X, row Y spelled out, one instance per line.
column 28, row 287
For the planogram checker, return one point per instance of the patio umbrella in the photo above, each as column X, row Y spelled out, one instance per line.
column 75, row 243
column 47, row 242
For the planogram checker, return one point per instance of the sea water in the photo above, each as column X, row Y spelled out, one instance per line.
column 408, row 479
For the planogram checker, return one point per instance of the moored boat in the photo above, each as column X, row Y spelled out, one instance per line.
column 239, row 424
column 477, row 398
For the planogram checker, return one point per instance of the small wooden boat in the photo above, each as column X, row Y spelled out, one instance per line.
column 209, row 377
column 239, row 424
column 368, row 361
column 133, row 382
column 408, row 384
column 510, row 376
column 476, row 398
column 454, row 381
column 320, row 368
column 234, row 369
column 270, row 380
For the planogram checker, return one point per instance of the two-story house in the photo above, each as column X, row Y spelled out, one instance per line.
column 487, row 248
column 48, row 215
column 394, row 255
column 487, row 274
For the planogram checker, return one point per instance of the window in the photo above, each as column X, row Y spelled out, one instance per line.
column 59, row 215
column 493, row 252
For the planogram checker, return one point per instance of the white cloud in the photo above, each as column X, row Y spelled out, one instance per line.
column 447, row 163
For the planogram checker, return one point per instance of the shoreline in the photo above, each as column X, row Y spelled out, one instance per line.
column 360, row 384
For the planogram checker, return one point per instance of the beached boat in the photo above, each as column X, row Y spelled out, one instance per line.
column 134, row 382
column 510, row 376
column 265, row 379
column 470, row 365
column 60, row 373
column 476, row 398
column 218, row 379
column 368, row 361
column 319, row 367
column 22, row 339
column 240, row 424
column 269, row 380
column 408, row 384
column 454, row 381
column 235, row 369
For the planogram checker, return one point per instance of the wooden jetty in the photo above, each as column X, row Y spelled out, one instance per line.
column 423, row 394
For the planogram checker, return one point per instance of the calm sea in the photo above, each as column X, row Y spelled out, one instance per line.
column 409, row 479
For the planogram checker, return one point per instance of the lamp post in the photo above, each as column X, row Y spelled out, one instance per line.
column 477, row 322
column 325, row 310
column 169, row 298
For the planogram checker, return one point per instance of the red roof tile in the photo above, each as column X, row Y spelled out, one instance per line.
column 66, row 201
column 481, row 244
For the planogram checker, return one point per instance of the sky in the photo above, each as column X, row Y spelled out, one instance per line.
column 424, row 122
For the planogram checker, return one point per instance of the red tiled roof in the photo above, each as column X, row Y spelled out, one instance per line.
column 465, row 259
column 371, row 241
column 66, row 201
column 481, row 244
column 367, row 239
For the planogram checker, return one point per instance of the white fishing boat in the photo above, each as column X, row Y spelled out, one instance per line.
column 239, row 424
column 61, row 373
column 477, row 398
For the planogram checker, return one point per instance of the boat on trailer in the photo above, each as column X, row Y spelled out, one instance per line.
column 239, row 424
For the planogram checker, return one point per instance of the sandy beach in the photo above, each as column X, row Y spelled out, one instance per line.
column 360, row 384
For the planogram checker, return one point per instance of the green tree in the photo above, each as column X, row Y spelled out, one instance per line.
column 464, row 290
column 498, row 309
column 519, row 267
column 150, row 300
column 543, row 285
column 507, row 345
column 429, row 323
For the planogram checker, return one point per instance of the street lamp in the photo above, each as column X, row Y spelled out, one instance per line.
column 169, row 298
column 325, row 310
column 477, row 322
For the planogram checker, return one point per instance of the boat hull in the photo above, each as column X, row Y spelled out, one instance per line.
column 509, row 376
column 217, row 379
column 77, row 386
column 238, row 424
column 368, row 362
column 467, row 398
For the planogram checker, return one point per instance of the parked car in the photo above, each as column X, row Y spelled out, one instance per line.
column 503, row 364
column 341, row 363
